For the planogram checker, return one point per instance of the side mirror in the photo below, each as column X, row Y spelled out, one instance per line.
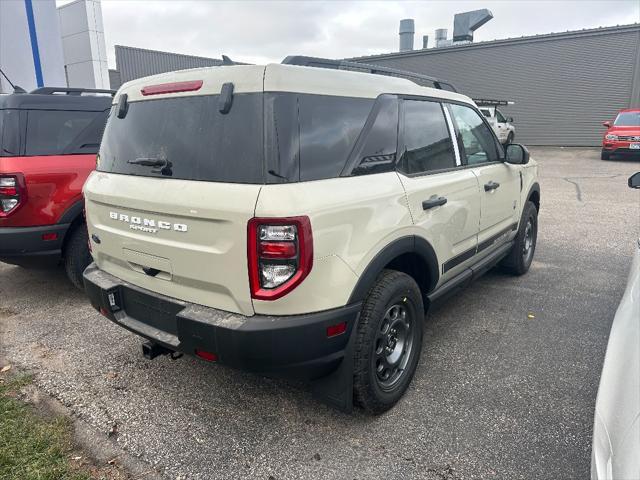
column 607, row 124
column 516, row 154
column 510, row 119
column 634, row 180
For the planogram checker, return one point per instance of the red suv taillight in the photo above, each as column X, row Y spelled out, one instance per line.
column 280, row 252
column 13, row 193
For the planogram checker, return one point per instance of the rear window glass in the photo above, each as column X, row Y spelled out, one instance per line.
column 52, row 132
column 189, row 136
column 9, row 133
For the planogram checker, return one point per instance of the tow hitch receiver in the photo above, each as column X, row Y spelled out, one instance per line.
column 152, row 350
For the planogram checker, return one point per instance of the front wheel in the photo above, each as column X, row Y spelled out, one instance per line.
column 604, row 155
column 519, row 259
column 388, row 341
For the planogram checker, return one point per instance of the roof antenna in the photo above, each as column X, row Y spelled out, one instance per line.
column 227, row 61
column 16, row 88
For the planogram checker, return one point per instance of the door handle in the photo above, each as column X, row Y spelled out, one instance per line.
column 491, row 186
column 433, row 202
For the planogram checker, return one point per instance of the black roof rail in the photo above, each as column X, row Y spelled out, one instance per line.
column 69, row 91
column 487, row 102
column 417, row 78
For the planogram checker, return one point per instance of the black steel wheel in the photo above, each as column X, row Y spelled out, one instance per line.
column 521, row 255
column 388, row 341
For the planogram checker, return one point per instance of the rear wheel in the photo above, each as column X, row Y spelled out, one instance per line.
column 519, row 259
column 76, row 255
column 388, row 341
column 605, row 155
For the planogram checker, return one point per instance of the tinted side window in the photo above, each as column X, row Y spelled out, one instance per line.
column 88, row 141
column 50, row 132
column 427, row 143
column 477, row 142
column 329, row 127
column 376, row 149
column 9, row 133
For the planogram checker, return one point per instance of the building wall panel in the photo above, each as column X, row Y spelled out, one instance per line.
column 134, row 63
column 564, row 86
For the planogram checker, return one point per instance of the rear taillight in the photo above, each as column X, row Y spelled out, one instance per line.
column 280, row 252
column 13, row 193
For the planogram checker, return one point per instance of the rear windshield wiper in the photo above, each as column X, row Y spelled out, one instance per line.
column 149, row 162
column 163, row 164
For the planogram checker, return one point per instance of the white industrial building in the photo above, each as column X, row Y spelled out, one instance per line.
column 41, row 45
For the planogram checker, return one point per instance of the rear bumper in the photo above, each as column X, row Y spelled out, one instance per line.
column 291, row 346
column 25, row 245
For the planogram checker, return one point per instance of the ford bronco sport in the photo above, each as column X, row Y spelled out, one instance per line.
column 296, row 220
column 48, row 144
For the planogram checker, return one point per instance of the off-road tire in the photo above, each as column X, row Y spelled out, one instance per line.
column 604, row 155
column 519, row 259
column 392, row 290
column 76, row 255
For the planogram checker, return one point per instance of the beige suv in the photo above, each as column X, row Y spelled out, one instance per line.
column 295, row 220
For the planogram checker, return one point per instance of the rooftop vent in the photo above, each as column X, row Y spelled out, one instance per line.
column 464, row 24
column 441, row 38
column 407, row 29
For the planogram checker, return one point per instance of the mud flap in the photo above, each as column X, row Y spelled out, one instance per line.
column 336, row 389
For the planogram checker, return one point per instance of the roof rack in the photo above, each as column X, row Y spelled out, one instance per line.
column 487, row 102
column 69, row 91
column 416, row 78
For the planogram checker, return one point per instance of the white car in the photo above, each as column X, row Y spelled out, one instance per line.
column 502, row 126
column 616, row 429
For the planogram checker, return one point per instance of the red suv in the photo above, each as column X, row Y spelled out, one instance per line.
column 623, row 136
column 49, row 139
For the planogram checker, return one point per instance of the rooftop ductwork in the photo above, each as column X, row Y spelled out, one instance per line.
column 407, row 29
column 464, row 24
column 425, row 41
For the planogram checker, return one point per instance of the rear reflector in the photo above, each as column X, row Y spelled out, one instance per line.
column 48, row 237
column 174, row 87
column 208, row 356
column 335, row 330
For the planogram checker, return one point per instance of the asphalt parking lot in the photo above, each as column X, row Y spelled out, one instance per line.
column 505, row 388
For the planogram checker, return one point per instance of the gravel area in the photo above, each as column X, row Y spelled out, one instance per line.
column 505, row 388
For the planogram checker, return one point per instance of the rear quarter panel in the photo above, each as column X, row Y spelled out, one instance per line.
column 352, row 219
column 54, row 184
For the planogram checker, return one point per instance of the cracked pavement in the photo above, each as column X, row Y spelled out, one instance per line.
column 505, row 387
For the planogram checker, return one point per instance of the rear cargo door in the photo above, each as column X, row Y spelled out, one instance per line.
column 177, row 182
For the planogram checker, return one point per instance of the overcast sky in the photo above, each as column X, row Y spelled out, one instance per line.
column 264, row 31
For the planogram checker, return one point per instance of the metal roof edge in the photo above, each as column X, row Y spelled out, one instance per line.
column 149, row 50
column 504, row 41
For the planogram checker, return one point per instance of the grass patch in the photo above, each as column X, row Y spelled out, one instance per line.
column 32, row 446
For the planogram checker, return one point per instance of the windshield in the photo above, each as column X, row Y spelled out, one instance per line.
column 187, row 138
column 628, row 119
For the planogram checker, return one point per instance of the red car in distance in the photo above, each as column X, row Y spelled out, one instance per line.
column 49, row 139
column 623, row 135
